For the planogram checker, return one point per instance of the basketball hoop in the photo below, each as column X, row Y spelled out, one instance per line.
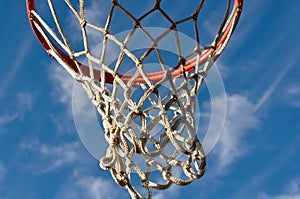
column 166, row 96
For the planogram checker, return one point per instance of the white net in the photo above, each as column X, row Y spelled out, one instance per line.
column 148, row 117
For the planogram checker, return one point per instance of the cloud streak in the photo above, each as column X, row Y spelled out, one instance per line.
column 292, row 192
column 288, row 64
column 271, row 55
column 267, row 94
column 240, row 118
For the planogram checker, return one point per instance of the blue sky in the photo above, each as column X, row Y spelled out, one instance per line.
column 257, row 155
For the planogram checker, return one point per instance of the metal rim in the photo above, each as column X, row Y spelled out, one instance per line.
column 153, row 77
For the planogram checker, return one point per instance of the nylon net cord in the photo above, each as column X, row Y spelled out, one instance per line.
column 131, row 124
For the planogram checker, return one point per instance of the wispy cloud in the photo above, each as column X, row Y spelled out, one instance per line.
column 292, row 192
column 286, row 155
column 22, row 103
column 2, row 171
column 240, row 118
column 95, row 13
column 249, row 19
column 73, row 97
column 15, row 64
column 53, row 157
column 293, row 94
column 7, row 118
column 63, row 83
column 81, row 185
column 94, row 188
column 273, row 86
column 172, row 192
column 280, row 61
column 62, row 93
column 285, row 66
column 25, row 101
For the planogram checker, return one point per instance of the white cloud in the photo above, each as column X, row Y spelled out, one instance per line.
column 95, row 13
column 54, row 157
column 90, row 187
column 172, row 192
column 293, row 94
column 63, row 83
column 287, row 196
column 98, row 188
column 7, row 118
column 15, row 64
column 84, row 186
column 73, row 97
column 292, row 192
column 240, row 118
column 25, row 101
column 62, row 92
column 21, row 104
column 295, row 90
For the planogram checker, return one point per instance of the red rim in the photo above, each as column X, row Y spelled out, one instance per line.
column 153, row 77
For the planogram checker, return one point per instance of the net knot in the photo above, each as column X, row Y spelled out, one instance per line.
column 115, row 2
column 115, row 141
column 137, row 24
column 195, row 16
column 166, row 174
column 83, row 22
column 203, row 73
